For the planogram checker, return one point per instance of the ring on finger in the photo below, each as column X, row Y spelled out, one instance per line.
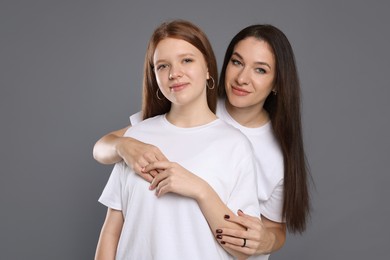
column 243, row 245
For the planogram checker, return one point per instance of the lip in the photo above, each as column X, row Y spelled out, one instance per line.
column 178, row 86
column 239, row 91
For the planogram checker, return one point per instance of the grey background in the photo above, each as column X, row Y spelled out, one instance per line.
column 71, row 71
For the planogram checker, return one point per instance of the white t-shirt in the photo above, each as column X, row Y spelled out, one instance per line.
column 269, row 158
column 173, row 226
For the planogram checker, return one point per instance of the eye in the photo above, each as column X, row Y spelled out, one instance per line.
column 161, row 67
column 235, row 62
column 187, row 60
column 260, row 70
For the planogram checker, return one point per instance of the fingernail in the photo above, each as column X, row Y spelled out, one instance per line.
column 219, row 230
column 226, row 216
column 241, row 211
column 222, row 242
column 219, row 236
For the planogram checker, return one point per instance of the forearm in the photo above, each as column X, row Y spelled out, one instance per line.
column 277, row 238
column 107, row 246
column 105, row 149
column 214, row 210
column 109, row 236
column 274, row 237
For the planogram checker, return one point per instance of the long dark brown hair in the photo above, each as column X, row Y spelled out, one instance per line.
column 177, row 29
column 285, row 115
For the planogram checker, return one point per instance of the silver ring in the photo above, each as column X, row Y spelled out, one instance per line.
column 244, row 242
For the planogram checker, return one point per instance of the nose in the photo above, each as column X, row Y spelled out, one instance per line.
column 175, row 72
column 243, row 77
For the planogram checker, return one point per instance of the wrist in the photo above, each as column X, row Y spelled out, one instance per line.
column 203, row 192
column 120, row 144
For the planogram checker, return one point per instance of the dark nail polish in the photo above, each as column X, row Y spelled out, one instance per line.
column 219, row 230
column 241, row 211
column 222, row 242
column 219, row 236
column 226, row 216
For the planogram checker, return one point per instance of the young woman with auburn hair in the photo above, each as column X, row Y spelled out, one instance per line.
column 171, row 218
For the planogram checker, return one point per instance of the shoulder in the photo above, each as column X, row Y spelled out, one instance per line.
column 231, row 135
column 228, row 128
column 149, row 123
column 135, row 118
column 268, row 144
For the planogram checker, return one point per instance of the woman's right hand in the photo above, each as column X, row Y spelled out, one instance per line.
column 137, row 155
column 114, row 147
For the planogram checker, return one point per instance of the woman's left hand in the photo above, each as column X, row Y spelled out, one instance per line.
column 172, row 177
column 255, row 240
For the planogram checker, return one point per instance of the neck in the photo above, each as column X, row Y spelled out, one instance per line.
column 251, row 116
column 190, row 116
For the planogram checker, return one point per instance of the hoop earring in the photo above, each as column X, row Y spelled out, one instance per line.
column 207, row 83
column 158, row 95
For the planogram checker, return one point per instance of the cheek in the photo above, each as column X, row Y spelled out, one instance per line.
column 200, row 75
column 229, row 74
column 263, row 90
column 160, row 78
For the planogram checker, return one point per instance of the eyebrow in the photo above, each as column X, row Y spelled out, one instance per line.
column 180, row 56
column 256, row 62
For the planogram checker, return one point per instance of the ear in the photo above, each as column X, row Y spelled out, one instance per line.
column 208, row 75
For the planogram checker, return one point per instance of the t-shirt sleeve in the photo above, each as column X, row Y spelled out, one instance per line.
column 136, row 118
column 272, row 207
column 244, row 194
column 111, row 195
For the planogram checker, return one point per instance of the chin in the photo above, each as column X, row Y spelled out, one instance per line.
column 239, row 102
